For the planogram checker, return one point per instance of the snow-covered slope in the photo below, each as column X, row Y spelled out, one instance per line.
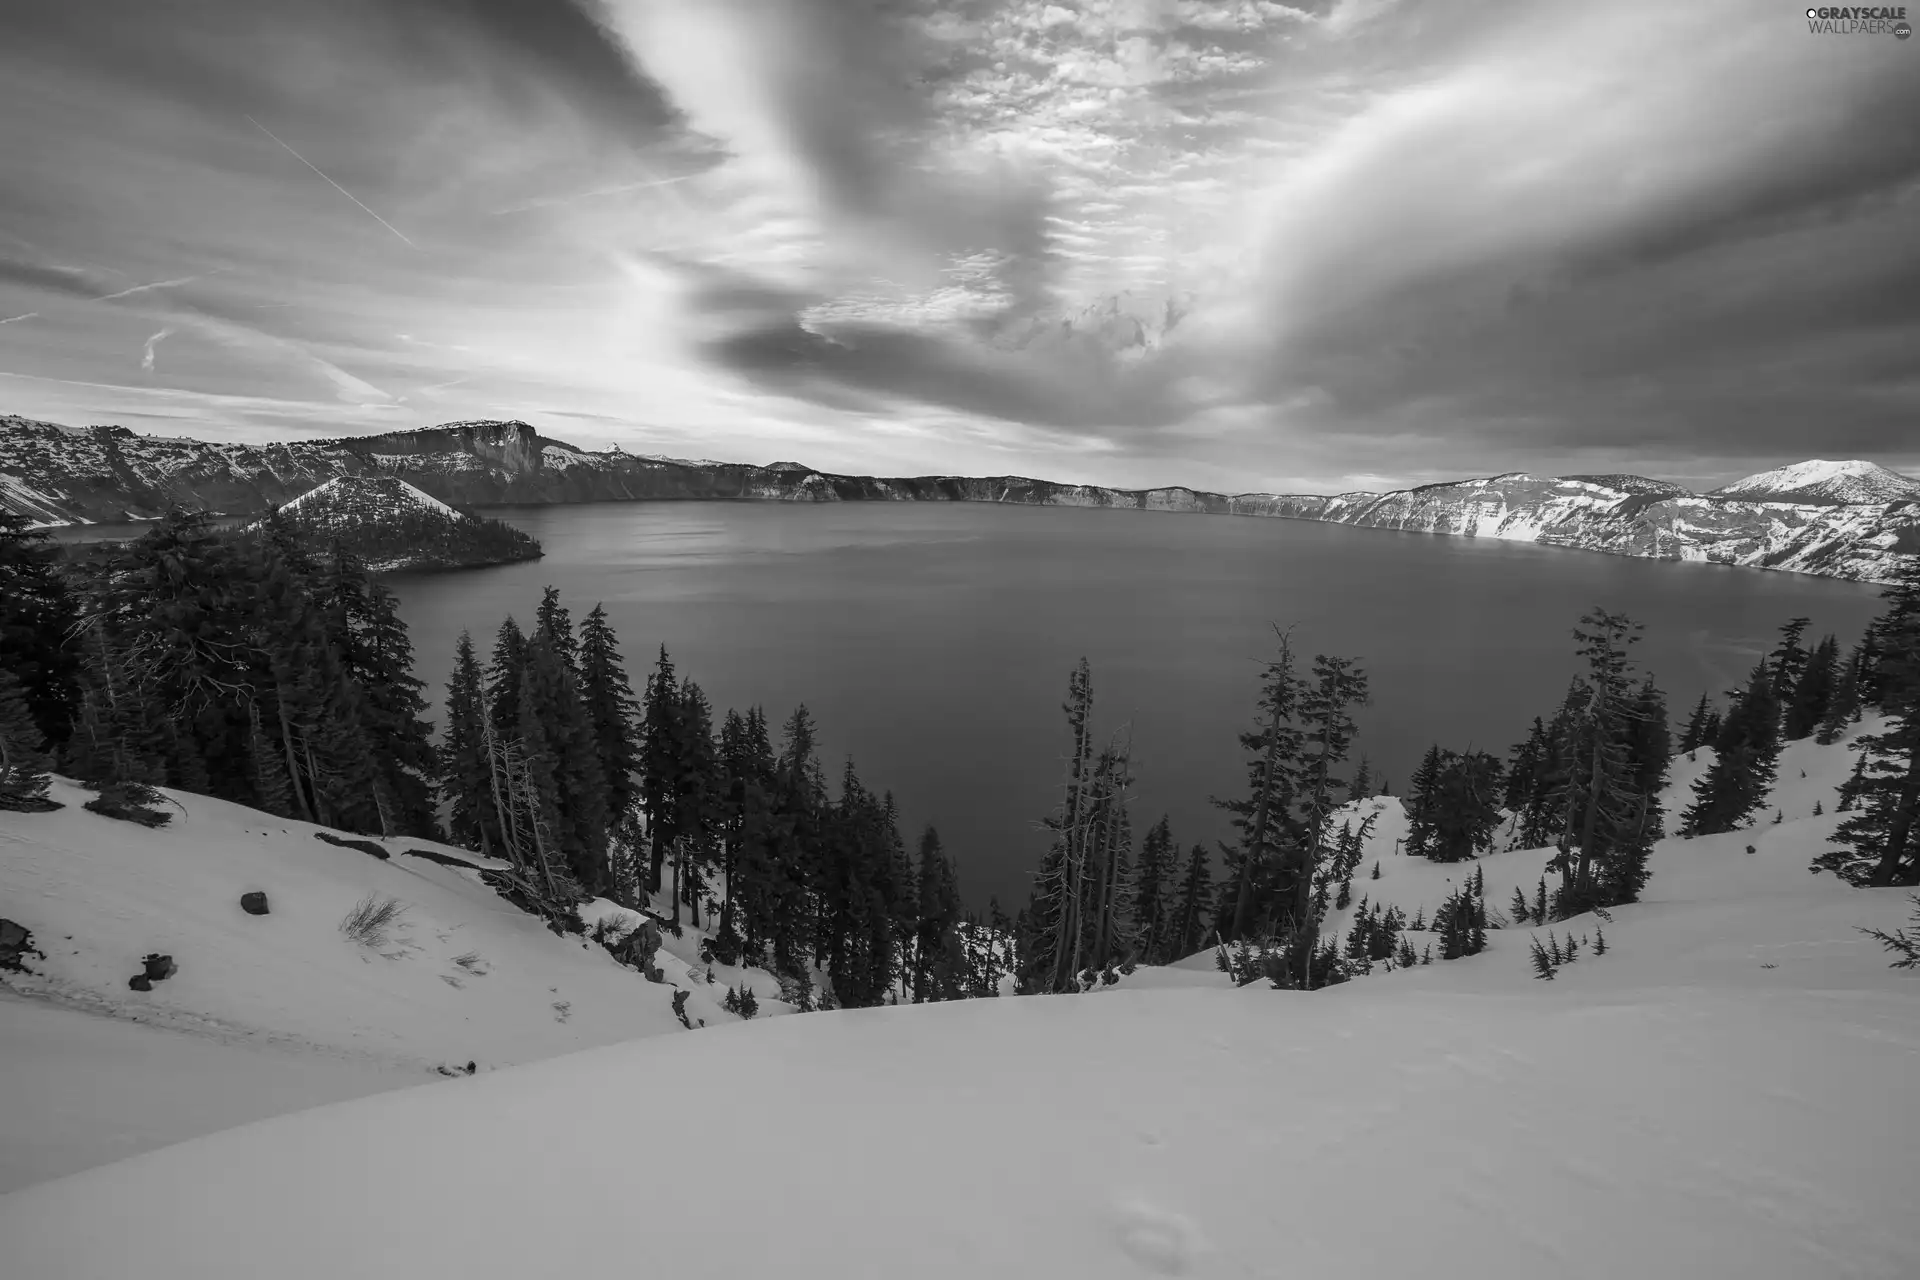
column 324, row 501
column 463, row 976
column 1821, row 481
column 1717, row 1096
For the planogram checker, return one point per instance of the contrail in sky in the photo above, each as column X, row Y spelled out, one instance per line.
column 587, row 195
column 330, row 182
column 142, row 288
column 12, row 319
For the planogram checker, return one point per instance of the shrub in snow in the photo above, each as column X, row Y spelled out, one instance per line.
column 367, row 924
column 129, row 802
column 158, row 966
column 1543, row 963
column 680, row 1009
column 1900, row 942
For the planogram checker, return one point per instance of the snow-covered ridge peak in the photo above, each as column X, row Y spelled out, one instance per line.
column 381, row 491
column 1819, row 480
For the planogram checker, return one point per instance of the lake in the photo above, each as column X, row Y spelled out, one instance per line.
column 932, row 641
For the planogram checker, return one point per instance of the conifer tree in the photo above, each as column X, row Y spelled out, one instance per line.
column 1269, row 832
column 1608, row 823
column 1153, row 887
column 939, row 964
column 466, row 773
column 1526, row 763
column 1735, row 786
column 1362, row 787
column 661, row 739
column 553, row 622
column 37, row 611
column 1693, row 737
column 1880, row 844
column 25, row 766
column 1843, row 708
column 1814, row 692
column 1787, row 662
column 1195, row 906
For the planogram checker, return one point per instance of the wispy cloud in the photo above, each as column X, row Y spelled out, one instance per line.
column 17, row 319
column 1211, row 241
column 144, row 288
column 153, row 342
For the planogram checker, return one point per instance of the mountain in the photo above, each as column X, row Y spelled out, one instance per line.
column 1708, row 1097
column 393, row 526
column 55, row 475
column 1824, row 482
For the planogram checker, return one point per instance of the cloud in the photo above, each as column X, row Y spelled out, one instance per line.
column 153, row 341
column 1235, row 243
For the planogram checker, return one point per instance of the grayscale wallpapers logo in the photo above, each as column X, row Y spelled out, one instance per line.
column 1859, row 20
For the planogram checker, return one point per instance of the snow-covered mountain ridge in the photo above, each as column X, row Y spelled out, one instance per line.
column 1821, row 481
column 55, row 475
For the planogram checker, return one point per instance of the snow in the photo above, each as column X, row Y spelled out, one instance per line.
column 389, row 488
column 1717, row 1096
column 84, row 1090
column 464, row 975
column 1854, row 480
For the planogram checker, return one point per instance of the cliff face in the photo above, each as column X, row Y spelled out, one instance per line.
column 56, row 475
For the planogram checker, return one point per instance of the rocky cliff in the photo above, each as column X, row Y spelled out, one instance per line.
column 59, row 475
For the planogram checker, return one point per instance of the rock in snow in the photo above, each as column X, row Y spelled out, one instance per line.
column 254, row 904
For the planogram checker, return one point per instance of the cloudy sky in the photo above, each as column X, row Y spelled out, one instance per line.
column 1228, row 243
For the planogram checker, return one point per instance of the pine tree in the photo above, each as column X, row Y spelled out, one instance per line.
column 1735, row 786
column 1542, row 961
column 37, row 610
column 1527, row 763
column 1153, row 886
column 1269, row 831
column 25, row 766
column 553, row 623
column 613, row 714
column 1814, row 694
column 1788, row 662
column 1880, row 844
column 466, row 776
column 1362, row 780
column 661, row 738
column 1694, row 736
column 1843, row 708
column 939, row 965
column 1608, row 823
column 1460, row 809
column 1195, row 906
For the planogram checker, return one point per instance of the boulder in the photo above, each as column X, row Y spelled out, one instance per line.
column 16, row 944
column 140, row 982
column 254, row 904
column 159, row 967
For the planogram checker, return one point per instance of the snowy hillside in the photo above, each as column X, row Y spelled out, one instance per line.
column 325, row 501
column 1715, row 1096
column 462, row 976
column 1822, row 481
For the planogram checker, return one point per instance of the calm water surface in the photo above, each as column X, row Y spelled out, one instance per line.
column 933, row 641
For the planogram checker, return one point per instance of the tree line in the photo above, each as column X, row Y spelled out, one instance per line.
column 260, row 667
